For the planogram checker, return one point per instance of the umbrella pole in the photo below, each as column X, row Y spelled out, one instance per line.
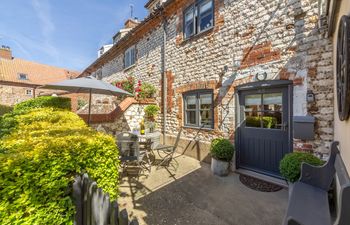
column 89, row 120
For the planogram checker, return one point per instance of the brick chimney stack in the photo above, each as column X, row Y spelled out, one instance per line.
column 5, row 52
column 131, row 23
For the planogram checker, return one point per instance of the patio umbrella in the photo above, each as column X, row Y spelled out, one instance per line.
column 86, row 85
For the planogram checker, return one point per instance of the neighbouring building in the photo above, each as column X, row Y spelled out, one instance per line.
column 247, row 70
column 103, row 50
column 20, row 79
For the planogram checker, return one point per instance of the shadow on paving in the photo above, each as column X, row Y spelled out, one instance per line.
column 202, row 198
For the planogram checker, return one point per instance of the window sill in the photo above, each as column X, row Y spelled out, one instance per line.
column 199, row 128
column 129, row 68
column 198, row 36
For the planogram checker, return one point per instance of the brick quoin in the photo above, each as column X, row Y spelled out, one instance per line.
column 259, row 54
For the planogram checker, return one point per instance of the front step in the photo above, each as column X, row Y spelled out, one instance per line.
column 263, row 177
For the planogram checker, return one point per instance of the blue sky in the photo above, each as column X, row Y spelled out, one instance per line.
column 64, row 33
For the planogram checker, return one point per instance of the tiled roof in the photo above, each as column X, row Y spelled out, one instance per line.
column 36, row 73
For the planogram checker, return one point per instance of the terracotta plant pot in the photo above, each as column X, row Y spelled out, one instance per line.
column 219, row 167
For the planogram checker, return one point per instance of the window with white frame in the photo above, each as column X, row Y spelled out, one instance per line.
column 198, row 109
column 29, row 92
column 198, row 17
column 129, row 57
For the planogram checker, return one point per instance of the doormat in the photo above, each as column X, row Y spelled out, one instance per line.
column 258, row 185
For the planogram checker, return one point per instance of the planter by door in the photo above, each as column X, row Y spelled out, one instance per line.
column 219, row 167
column 264, row 132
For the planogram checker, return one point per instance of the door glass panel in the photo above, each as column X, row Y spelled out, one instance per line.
column 252, row 103
column 272, row 101
column 272, row 120
column 253, row 119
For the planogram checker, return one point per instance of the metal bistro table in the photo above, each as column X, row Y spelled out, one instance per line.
column 147, row 142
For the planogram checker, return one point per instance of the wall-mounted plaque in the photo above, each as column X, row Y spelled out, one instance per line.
column 343, row 68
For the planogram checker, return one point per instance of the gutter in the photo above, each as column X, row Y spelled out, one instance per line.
column 163, row 69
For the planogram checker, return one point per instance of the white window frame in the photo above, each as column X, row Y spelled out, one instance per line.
column 130, row 57
column 29, row 90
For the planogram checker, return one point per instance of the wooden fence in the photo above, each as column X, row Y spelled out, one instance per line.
column 93, row 207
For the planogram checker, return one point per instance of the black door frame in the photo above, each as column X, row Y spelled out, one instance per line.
column 256, row 86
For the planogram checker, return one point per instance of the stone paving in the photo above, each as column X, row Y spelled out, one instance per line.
column 188, row 193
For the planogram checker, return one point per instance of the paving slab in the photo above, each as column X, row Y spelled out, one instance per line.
column 188, row 193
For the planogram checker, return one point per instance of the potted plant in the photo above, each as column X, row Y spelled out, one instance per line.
column 290, row 165
column 221, row 151
column 151, row 112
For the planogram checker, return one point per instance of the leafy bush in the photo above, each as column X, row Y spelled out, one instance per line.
column 290, row 165
column 151, row 111
column 221, row 149
column 39, row 159
column 5, row 109
column 147, row 90
column 44, row 101
column 268, row 121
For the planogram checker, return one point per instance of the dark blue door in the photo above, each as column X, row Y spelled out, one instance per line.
column 264, row 125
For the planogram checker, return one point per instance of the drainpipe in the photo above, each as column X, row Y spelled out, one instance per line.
column 163, row 69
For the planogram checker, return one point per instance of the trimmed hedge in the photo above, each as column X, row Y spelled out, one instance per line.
column 44, row 101
column 39, row 159
column 5, row 109
column 290, row 165
column 221, row 149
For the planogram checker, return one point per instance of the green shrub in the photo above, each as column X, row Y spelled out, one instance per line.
column 147, row 90
column 221, row 149
column 5, row 109
column 151, row 111
column 39, row 159
column 290, row 165
column 44, row 101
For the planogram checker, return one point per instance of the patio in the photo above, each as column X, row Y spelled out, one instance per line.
column 188, row 193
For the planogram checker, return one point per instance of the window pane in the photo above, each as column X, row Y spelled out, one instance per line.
column 206, row 15
column 191, row 118
column 205, row 101
column 191, row 102
column 206, row 118
column 189, row 23
column 206, row 7
column 272, row 101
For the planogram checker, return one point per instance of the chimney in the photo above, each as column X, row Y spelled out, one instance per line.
column 5, row 52
column 131, row 23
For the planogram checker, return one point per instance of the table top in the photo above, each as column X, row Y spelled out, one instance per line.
column 147, row 135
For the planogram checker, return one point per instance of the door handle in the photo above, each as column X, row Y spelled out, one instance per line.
column 284, row 126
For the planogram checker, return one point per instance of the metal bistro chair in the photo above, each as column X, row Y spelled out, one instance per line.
column 129, row 148
column 167, row 150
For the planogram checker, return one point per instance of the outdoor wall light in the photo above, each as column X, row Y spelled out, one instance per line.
column 261, row 76
column 310, row 96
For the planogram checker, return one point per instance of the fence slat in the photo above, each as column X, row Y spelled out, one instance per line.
column 114, row 213
column 93, row 206
column 78, row 200
column 123, row 217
